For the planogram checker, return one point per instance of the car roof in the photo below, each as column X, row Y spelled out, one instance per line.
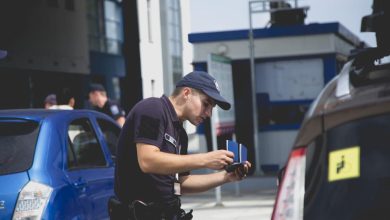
column 340, row 94
column 341, row 101
column 41, row 114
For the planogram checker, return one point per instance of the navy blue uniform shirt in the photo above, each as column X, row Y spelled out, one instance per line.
column 112, row 109
column 152, row 121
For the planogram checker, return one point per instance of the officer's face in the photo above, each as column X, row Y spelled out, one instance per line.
column 93, row 98
column 200, row 107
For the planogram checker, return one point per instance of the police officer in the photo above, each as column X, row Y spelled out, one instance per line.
column 98, row 98
column 152, row 162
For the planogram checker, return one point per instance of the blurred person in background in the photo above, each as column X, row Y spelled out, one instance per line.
column 98, row 98
column 65, row 99
column 49, row 101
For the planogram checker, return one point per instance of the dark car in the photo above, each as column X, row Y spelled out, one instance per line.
column 56, row 164
column 339, row 167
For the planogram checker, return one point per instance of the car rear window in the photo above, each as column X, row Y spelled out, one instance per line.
column 17, row 145
column 352, row 178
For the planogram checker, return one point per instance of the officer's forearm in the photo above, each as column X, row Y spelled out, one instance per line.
column 152, row 160
column 201, row 183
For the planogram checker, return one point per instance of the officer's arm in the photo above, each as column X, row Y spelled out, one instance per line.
column 121, row 121
column 152, row 160
column 204, row 182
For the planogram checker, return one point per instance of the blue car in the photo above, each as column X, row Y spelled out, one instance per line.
column 56, row 164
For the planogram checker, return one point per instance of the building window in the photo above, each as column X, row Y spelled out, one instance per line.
column 113, row 24
column 174, row 38
column 105, row 26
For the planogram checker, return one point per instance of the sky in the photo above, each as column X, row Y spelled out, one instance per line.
column 219, row 15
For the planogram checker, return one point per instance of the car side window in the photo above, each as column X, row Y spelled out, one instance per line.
column 111, row 134
column 84, row 150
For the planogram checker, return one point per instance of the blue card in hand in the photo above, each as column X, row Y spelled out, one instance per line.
column 233, row 147
column 243, row 153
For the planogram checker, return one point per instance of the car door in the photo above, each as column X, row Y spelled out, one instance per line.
column 88, row 171
column 110, row 131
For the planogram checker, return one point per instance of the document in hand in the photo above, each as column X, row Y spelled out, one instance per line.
column 233, row 147
column 243, row 153
column 240, row 155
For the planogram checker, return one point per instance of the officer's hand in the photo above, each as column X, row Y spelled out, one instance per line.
column 239, row 173
column 218, row 159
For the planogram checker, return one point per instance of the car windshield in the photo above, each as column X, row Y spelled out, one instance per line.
column 351, row 178
column 17, row 145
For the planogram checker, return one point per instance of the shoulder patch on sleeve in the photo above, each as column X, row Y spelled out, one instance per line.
column 114, row 109
column 149, row 127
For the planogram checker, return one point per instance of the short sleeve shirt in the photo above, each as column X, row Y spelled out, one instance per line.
column 112, row 109
column 152, row 121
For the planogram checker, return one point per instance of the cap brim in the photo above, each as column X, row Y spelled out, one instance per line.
column 219, row 100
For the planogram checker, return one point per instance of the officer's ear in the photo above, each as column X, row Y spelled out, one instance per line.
column 186, row 92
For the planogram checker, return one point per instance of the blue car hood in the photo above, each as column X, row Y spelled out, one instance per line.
column 10, row 186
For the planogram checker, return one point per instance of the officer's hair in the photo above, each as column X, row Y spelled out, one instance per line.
column 178, row 90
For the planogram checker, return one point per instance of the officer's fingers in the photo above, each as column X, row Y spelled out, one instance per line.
column 228, row 153
column 247, row 167
column 223, row 156
column 248, row 164
column 228, row 160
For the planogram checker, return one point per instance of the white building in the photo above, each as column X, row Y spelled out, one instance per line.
column 161, row 49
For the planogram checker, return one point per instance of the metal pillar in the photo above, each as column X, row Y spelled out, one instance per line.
column 253, row 88
column 265, row 6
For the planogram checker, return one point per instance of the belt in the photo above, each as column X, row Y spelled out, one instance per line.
column 138, row 210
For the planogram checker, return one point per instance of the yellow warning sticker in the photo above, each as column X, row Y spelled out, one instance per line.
column 344, row 164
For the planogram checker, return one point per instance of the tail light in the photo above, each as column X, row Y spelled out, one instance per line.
column 32, row 201
column 289, row 201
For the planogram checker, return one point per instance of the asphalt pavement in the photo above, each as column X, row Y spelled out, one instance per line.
column 250, row 199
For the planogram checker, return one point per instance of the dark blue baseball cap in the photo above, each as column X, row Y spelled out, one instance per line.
column 3, row 54
column 206, row 83
column 96, row 87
